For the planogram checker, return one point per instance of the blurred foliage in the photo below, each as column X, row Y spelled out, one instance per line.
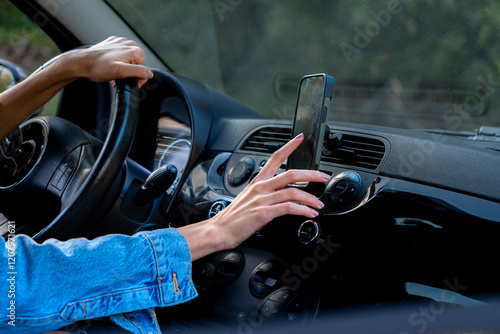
column 402, row 63
column 24, row 43
column 392, row 60
column 14, row 26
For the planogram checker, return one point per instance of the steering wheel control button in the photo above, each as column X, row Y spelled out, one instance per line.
column 309, row 232
column 216, row 207
column 266, row 278
column 64, row 171
column 229, row 268
column 241, row 171
column 54, row 181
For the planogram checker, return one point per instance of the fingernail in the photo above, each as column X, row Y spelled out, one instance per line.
column 326, row 177
column 321, row 204
column 300, row 135
column 315, row 213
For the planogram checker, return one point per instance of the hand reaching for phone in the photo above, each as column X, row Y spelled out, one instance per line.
column 264, row 199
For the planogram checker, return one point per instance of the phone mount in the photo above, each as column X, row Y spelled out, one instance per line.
column 331, row 141
column 332, row 145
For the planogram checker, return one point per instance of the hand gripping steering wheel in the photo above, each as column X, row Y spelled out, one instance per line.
column 70, row 172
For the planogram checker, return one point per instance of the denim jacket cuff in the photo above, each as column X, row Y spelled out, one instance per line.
column 174, row 266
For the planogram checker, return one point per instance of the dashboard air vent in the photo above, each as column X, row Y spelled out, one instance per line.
column 267, row 140
column 353, row 150
column 357, row 151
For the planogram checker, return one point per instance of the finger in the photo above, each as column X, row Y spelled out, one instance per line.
column 141, row 82
column 278, row 157
column 134, row 71
column 119, row 41
column 293, row 176
column 293, row 195
column 290, row 208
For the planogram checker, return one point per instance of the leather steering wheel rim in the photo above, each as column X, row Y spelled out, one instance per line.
column 107, row 166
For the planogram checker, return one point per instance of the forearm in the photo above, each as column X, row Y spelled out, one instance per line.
column 203, row 238
column 22, row 100
column 114, row 58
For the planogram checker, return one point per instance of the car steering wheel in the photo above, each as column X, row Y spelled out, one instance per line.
column 65, row 165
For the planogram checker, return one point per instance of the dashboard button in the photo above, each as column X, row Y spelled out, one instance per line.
column 295, row 311
column 281, row 296
column 340, row 187
column 242, row 315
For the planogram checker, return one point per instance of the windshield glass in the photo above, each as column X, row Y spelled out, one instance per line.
column 410, row 64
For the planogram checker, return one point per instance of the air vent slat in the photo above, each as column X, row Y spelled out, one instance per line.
column 365, row 150
column 368, row 151
column 267, row 140
column 364, row 164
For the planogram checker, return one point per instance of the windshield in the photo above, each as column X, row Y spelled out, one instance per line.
column 410, row 64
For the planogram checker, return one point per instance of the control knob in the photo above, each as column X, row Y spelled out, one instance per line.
column 309, row 232
column 343, row 188
column 241, row 171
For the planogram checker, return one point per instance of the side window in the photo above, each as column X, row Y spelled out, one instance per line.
column 23, row 43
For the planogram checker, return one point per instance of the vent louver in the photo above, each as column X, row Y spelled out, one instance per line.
column 354, row 150
column 357, row 151
column 267, row 140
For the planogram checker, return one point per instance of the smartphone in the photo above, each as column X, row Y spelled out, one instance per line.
column 315, row 93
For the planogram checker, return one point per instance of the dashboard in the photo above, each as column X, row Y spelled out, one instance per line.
column 408, row 215
column 403, row 208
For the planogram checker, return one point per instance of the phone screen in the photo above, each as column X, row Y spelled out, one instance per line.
column 310, row 121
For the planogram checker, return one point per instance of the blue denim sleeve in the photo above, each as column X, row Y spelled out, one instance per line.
column 50, row 285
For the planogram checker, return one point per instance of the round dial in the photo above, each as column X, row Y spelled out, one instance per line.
column 344, row 188
column 309, row 232
column 241, row 171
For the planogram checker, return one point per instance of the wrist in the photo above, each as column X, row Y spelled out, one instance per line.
column 203, row 238
column 75, row 64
